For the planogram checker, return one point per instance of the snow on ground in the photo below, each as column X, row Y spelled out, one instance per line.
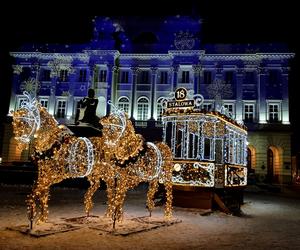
column 270, row 221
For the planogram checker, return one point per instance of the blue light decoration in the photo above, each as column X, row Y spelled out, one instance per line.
column 209, row 147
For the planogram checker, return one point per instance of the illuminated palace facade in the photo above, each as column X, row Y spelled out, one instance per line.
column 135, row 62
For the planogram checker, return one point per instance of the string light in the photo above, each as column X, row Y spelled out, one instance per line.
column 209, row 147
column 120, row 157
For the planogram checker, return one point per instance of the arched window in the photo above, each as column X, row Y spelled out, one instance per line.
column 159, row 109
column 123, row 103
column 142, row 109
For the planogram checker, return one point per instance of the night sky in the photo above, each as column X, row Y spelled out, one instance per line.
column 223, row 22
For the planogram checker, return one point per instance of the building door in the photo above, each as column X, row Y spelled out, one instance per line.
column 249, row 162
column 270, row 166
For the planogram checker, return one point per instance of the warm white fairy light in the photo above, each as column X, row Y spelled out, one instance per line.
column 76, row 155
column 199, row 137
column 118, row 158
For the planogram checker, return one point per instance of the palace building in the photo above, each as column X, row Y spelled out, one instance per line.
column 136, row 62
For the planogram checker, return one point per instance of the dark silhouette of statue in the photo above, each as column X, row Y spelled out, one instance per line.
column 90, row 104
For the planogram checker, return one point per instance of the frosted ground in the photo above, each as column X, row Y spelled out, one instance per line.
column 270, row 221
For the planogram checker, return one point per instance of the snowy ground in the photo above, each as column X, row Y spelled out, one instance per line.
column 271, row 221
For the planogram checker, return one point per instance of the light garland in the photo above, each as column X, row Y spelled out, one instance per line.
column 203, row 142
column 121, row 158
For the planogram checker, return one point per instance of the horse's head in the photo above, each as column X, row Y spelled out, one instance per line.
column 119, row 135
column 26, row 120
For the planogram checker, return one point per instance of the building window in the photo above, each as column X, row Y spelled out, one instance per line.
column 207, row 106
column 20, row 101
column 274, row 77
column 185, row 77
column 144, row 77
column 63, row 75
column 102, row 75
column 25, row 74
column 124, row 77
column 249, row 112
column 230, row 109
column 46, row 75
column 44, row 102
column 82, row 75
column 228, row 78
column 61, row 109
column 159, row 109
column 163, row 77
column 123, row 103
column 249, row 77
column 273, row 112
column 207, row 77
column 142, row 109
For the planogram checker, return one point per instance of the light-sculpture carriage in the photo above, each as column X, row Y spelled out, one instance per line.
column 209, row 150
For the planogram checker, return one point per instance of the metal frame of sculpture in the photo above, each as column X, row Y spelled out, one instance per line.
column 134, row 161
column 209, row 147
column 121, row 158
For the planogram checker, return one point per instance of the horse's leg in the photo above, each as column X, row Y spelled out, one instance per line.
column 169, row 196
column 110, row 190
column 31, row 202
column 94, row 185
column 153, row 186
column 119, row 199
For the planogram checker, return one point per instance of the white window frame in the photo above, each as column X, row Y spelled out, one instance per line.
column 159, row 109
column 19, row 100
column 274, row 102
column 206, row 104
column 57, row 107
column 44, row 99
column 254, row 110
column 124, row 105
column 144, row 107
column 227, row 103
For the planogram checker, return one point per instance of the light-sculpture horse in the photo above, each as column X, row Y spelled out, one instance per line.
column 58, row 154
column 134, row 161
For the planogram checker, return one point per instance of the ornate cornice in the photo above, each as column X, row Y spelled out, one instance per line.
column 249, row 57
column 198, row 53
column 51, row 56
column 114, row 53
column 145, row 56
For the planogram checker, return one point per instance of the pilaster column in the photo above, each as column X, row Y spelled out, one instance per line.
column 196, row 71
column 135, row 71
column 153, row 86
column 239, row 94
column 174, row 70
column 285, row 95
column 261, row 95
column 111, row 86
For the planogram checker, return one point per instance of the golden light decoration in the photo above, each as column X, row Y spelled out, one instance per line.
column 121, row 158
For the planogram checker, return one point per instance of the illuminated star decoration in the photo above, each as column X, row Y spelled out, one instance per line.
column 219, row 90
column 31, row 86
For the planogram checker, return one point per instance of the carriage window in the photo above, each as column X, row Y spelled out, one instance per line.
column 207, row 148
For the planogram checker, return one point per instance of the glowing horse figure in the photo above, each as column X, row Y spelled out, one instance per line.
column 58, row 154
column 134, row 161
